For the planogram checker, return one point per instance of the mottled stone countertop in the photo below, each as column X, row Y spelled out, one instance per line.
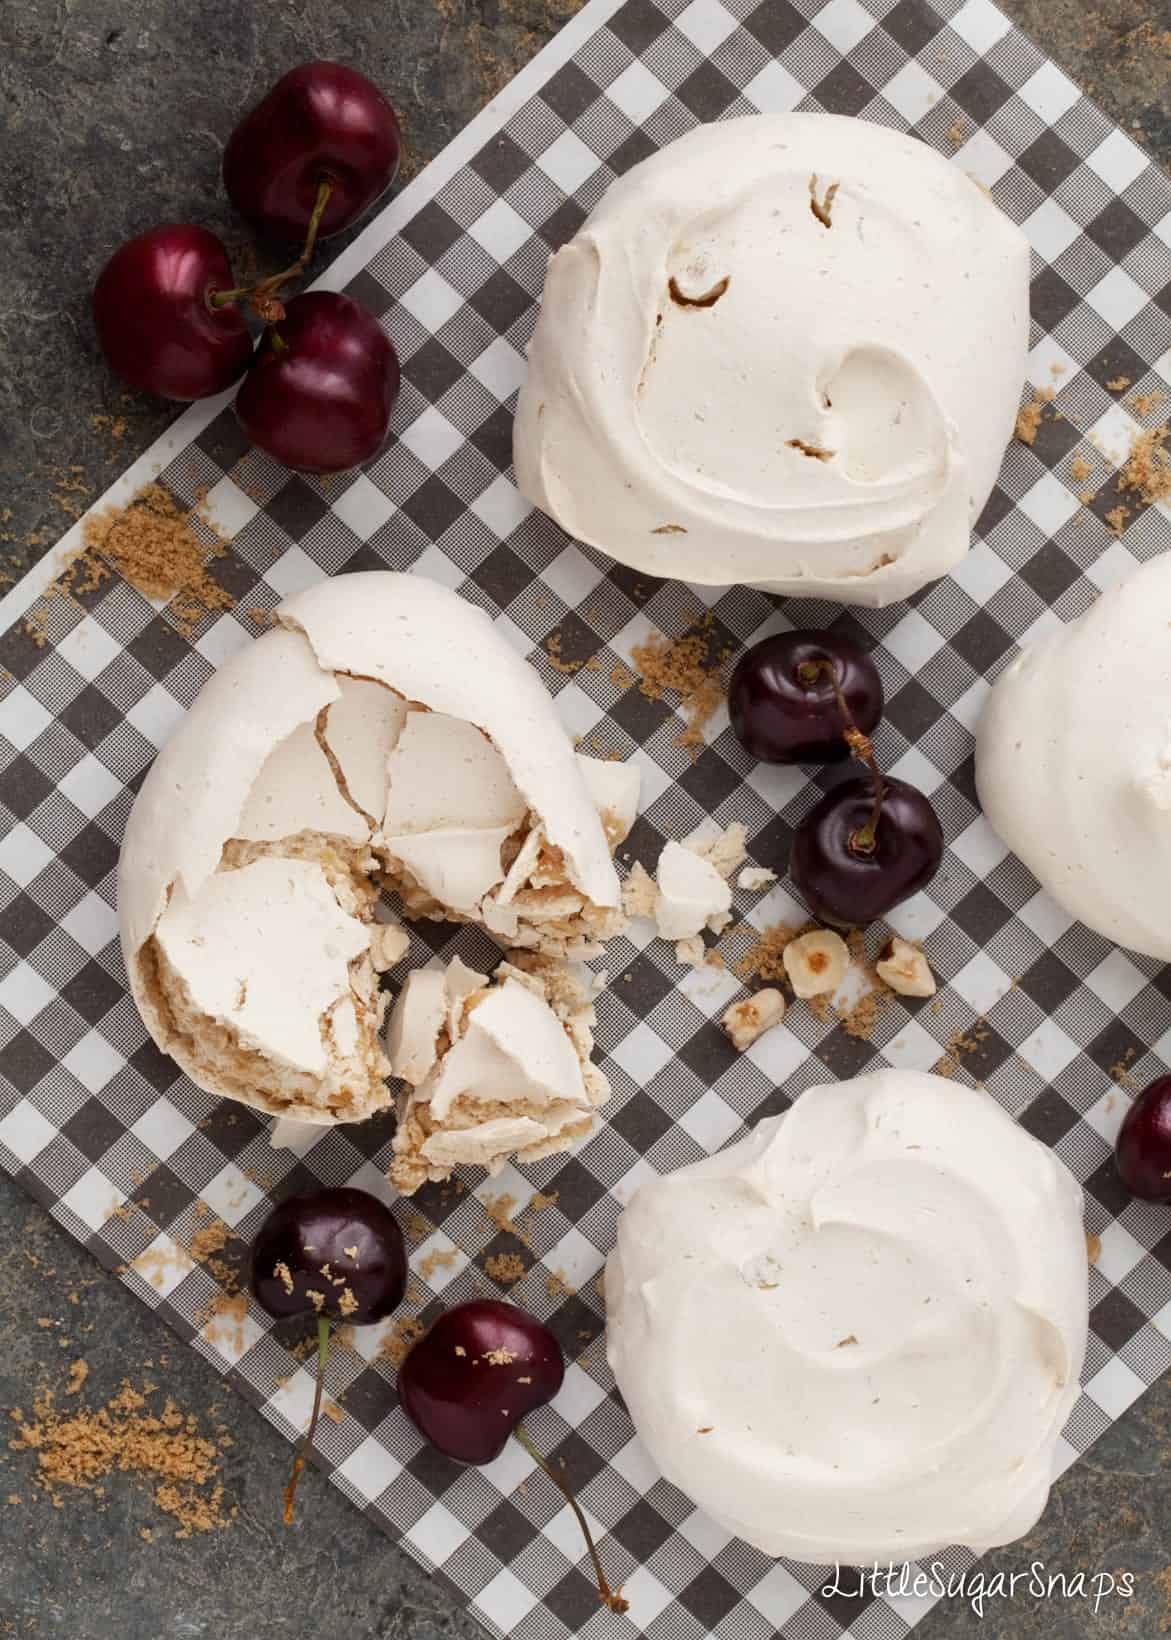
column 113, row 114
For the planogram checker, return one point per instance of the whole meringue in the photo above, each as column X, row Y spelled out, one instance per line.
column 1073, row 762
column 856, row 1334
column 786, row 350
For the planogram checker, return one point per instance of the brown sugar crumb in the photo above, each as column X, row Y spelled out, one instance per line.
column 1029, row 416
column 621, row 676
column 1116, row 520
column 284, row 1275
column 222, row 1321
column 1093, row 1246
column 765, row 959
column 331, row 1410
column 505, row 1268
column 955, row 134
column 557, row 1287
column 1147, row 470
column 114, row 425
column 1120, row 1071
column 151, row 543
column 706, row 1429
column 347, row 1304
column 957, row 1045
column 396, row 1346
column 684, row 667
column 83, row 1448
column 316, row 1299
column 860, row 1018
column 1088, row 497
column 499, row 1210
column 440, row 1259
column 417, row 1227
column 500, row 1357
column 1145, row 404
column 843, row 1343
column 1079, row 469
column 1118, row 384
column 539, row 1201
column 78, row 1373
column 212, row 1238
column 553, row 656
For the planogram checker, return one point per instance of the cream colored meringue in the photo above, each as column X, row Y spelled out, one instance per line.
column 494, row 1068
column 339, row 752
column 1073, row 762
column 856, row 1334
column 785, row 350
column 692, row 893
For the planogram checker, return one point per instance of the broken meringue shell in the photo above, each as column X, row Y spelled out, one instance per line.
column 282, row 778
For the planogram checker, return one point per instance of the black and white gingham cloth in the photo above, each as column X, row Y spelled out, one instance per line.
column 91, row 1115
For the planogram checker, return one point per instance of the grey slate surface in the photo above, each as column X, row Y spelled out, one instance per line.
column 112, row 117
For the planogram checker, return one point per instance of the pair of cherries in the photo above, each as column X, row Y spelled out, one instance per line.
column 304, row 164
column 871, row 842
column 466, row 1384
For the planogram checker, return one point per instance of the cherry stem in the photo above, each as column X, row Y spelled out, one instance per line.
column 306, row 1441
column 263, row 295
column 865, row 839
column 610, row 1598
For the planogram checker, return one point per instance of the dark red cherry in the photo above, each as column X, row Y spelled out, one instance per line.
column 323, row 123
column 852, row 868
column 337, row 1253
column 782, row 700
column 474, row 1376
column 319, row 391
column 470, row 1380
column 155, row 319
column 1143, row 1150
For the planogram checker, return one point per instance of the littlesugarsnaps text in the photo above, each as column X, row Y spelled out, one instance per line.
column 979, row 1588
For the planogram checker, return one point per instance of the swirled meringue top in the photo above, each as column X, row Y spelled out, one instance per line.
column 857, row 1333
column 1073, row 762
column 786, row 350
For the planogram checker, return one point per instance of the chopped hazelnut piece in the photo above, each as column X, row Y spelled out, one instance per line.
column 905, row 969
column 817, row 962
column 746, row 1020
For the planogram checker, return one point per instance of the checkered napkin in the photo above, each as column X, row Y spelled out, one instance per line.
column 91, row 1115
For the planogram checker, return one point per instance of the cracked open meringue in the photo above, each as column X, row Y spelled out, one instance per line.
column 492, row 1068
column 786, row 350
column 1073, row 762
column 336, row 755
column 856, row 1335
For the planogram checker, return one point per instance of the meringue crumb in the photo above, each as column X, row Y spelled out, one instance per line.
column 639, row 893
column 955, row 135
column 1147, row 470
column 284, row 1275
column 351, row 1253
column 404, row 1332
column 690, row 953
column 459, row 1350
column 331, row 1410
column 1080, row 469
column 1093, row 1246
column 505, row 1268
column 754, row 879
column 1029, row 415
column 417, row 1227
column 500, row 1357
column 1118, row 384
column 440, row 1259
